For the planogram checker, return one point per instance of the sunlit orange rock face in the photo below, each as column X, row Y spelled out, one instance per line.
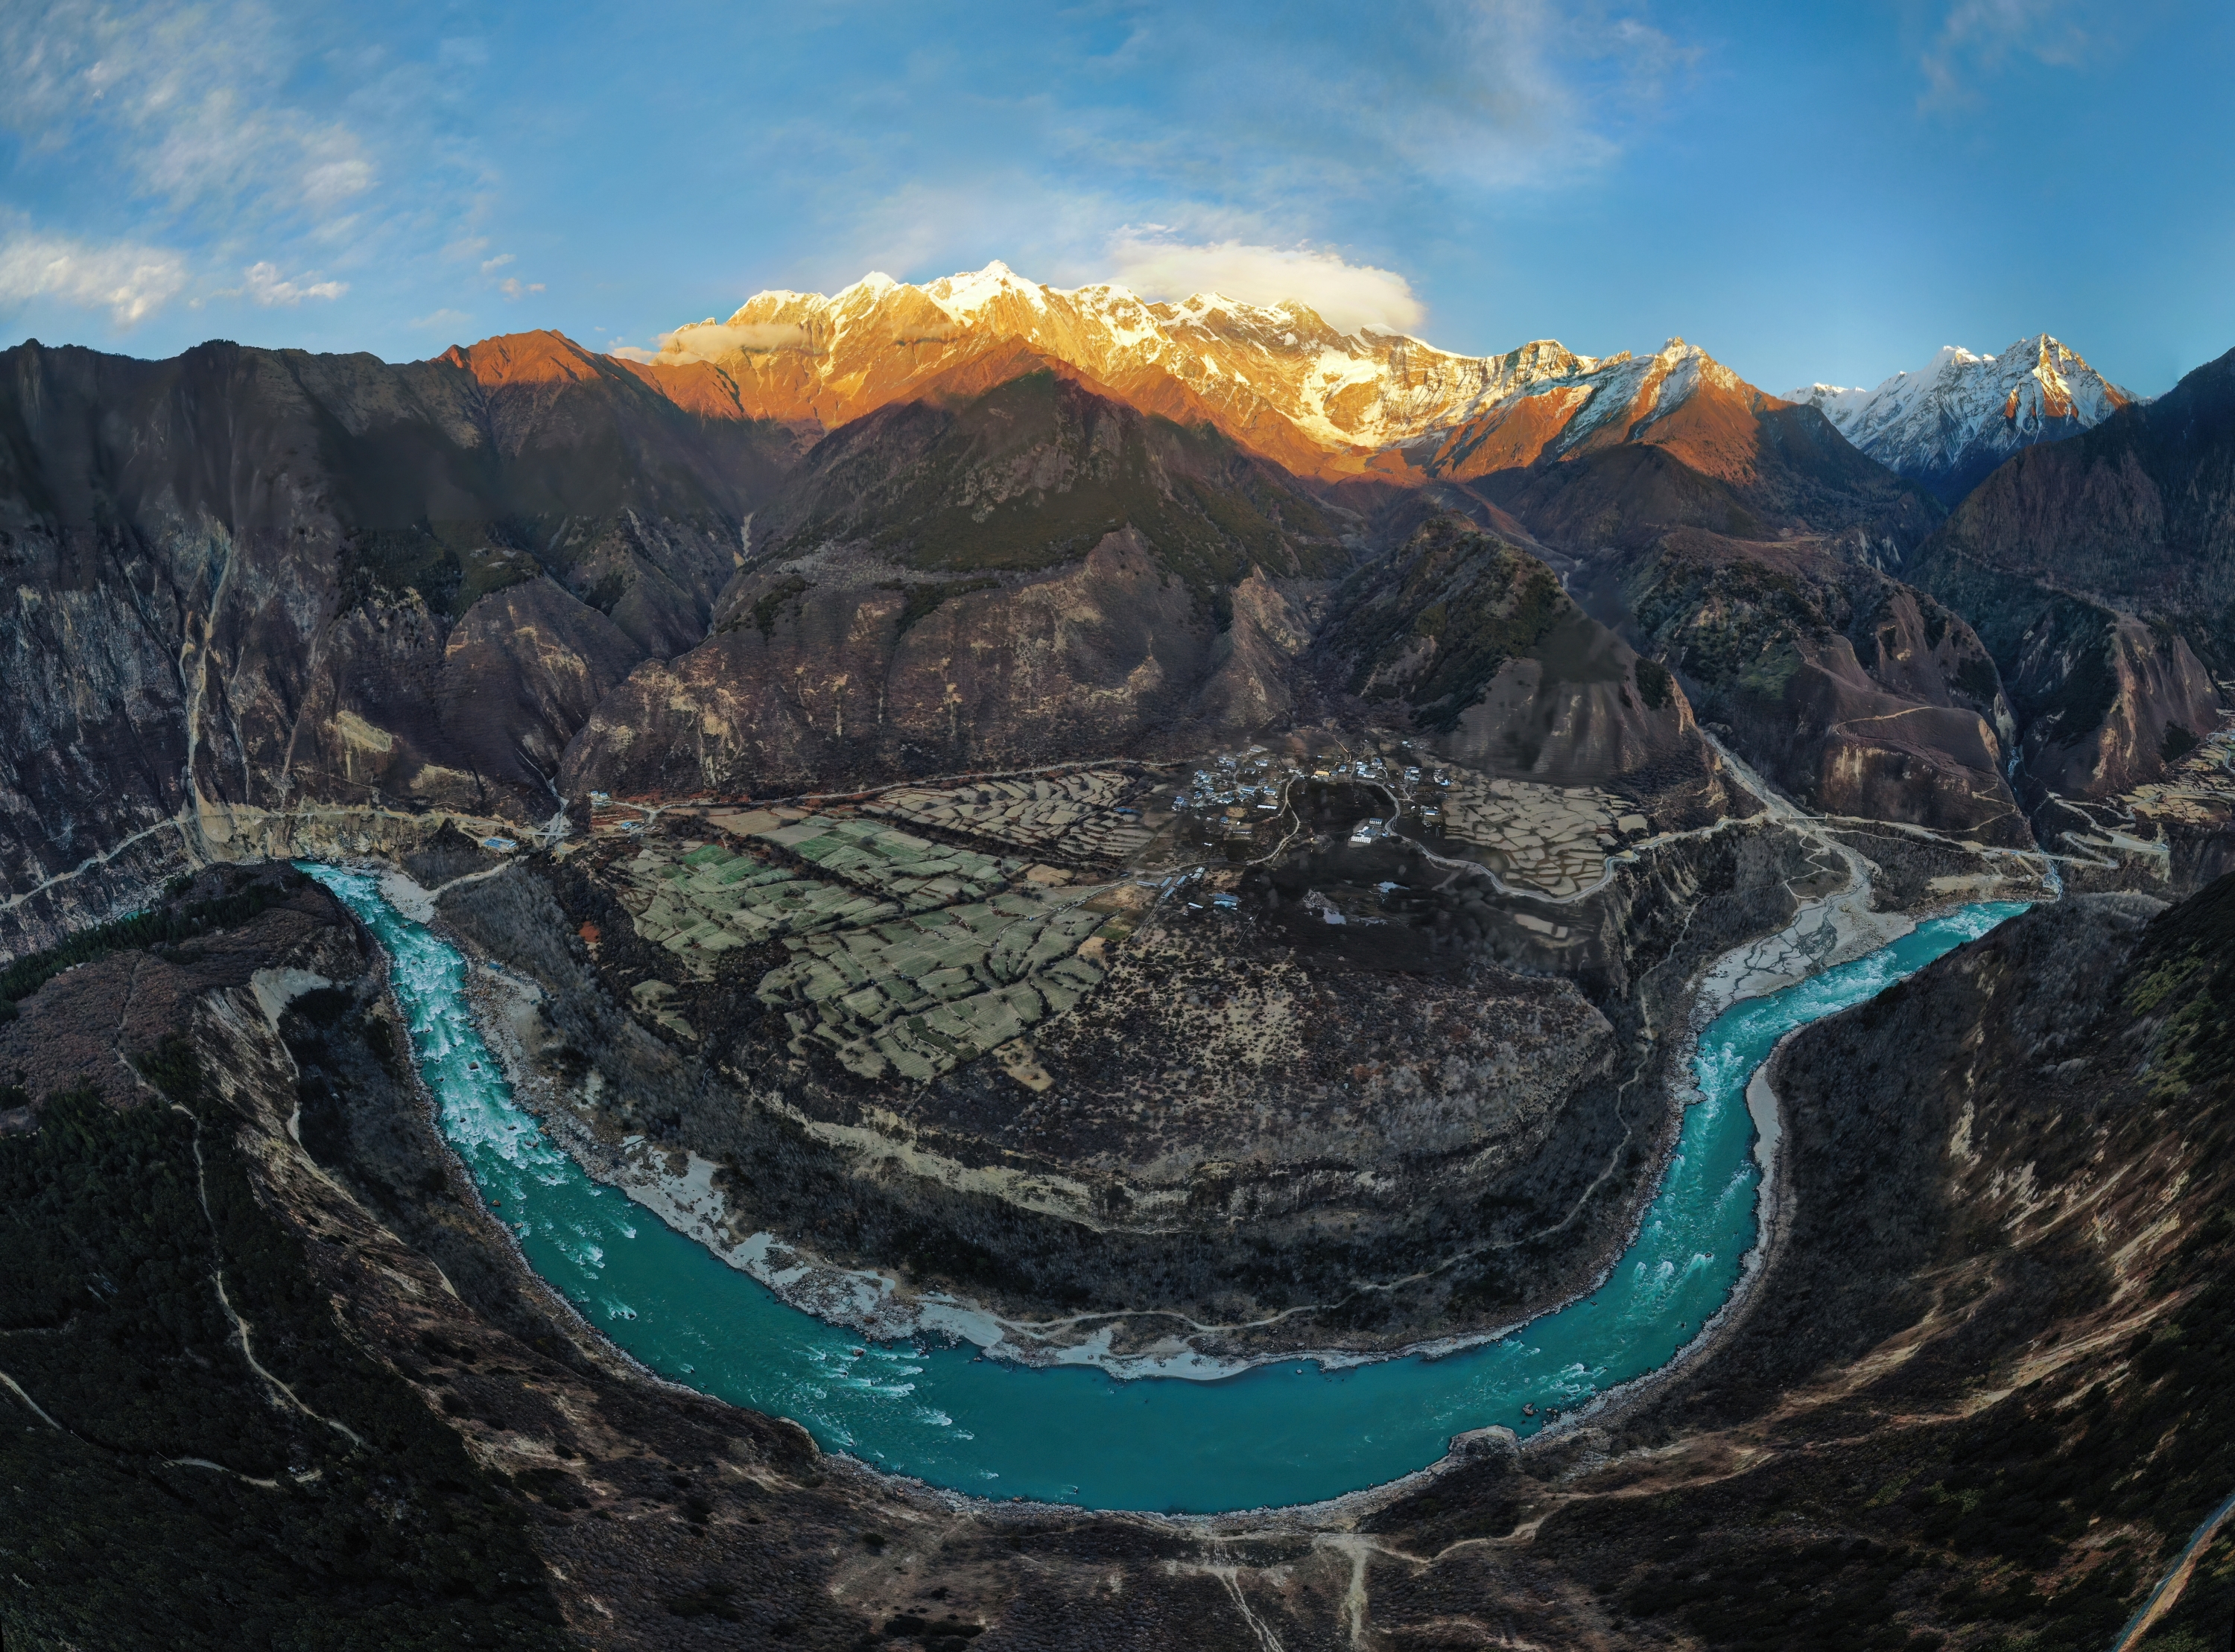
column 1277, row 379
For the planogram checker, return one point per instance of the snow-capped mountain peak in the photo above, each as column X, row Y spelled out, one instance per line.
column 1953, row 420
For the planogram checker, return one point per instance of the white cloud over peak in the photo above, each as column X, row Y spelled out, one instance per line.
column 128, row 280
column 268, row 287
column 1346, row 296
column 705, row 341
column 514, row 287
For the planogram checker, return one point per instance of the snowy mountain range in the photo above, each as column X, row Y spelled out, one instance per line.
column 1951, row 422
column 1276, row 378
column 1282, row 382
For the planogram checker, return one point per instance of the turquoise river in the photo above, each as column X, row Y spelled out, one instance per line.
column 1289, row 1433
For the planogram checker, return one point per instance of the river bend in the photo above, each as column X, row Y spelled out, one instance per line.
column 1277, row 1434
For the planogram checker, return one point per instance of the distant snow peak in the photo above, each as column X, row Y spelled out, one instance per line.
column 1954, row 419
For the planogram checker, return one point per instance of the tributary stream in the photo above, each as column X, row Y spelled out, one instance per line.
column 1288, row 1433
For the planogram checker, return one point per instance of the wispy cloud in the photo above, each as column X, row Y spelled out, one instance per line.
column 512, row 288
column 1346, row 296
column 268, row 287
column 439, row 318
column 128, row 280
column 1977, row 38
column 236, row 134
column 194, row 96
column 1496, row 94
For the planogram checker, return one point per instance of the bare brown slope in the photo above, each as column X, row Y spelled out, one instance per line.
column 1721, row 462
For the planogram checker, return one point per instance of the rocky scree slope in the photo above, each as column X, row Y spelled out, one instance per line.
column 244, row 580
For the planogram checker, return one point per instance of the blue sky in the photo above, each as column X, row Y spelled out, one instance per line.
column 1809, row 192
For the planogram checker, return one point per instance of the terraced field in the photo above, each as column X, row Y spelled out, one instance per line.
column 1555, row 838
column 920, row 995
column 1078, row 817
column 700, row 899
column 908, row 957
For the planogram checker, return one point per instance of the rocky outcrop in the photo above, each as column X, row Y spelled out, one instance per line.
column 1853, row 692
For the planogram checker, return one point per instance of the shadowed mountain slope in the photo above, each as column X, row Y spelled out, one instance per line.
column 1022, row 576
column 2100, row 571
column 246, row 578
column 1476, row 642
